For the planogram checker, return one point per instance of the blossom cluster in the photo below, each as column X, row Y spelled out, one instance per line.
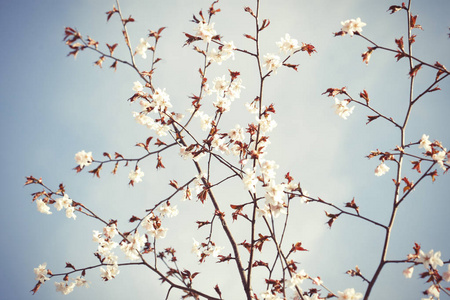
column 60, row 203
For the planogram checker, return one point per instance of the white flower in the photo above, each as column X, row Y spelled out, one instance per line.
column 138, row 87
column 41, row 273
column 158, row 233
column 249, row 179
column 297, row 279
column 252, row 107
column 268, row 168
column 439, row 158
column 425, row 143
column 267, row 295
column 264, row 212
column 271, row 62
column 433, row 291
column 161, row 100
column 110, row 272
column 288, row 45
column 237, row 133
column 136, row 175
column 142, row 48
column 64, row 287
column 79, row 281
column 83, row 159
column 430, row 259
column 234, row 91
column 215, row 56
column 381, row 169
column 205, row 31
column 110, row 231
column 341, row 108
column 349, row 294
column 228, row 50
column 274, row 193
column 63, row 202
column 42, row 207
column 135, row 244
column 205, row 122
column 408, row 272
column 446, row 275
column 352, row 26
column 196, row 248
column 168, row 210
column 266, row 123
column 70, row 212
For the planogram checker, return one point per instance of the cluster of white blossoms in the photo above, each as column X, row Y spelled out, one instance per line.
column 136, row 175
column 83, row 159
column 429, row 260
column 65, row 287
column 440, row 157
column 104, row 249
column 203, row 250
column 205, row 31
column 160, row 103
column 223, row 53
column 142, row 48
column 351, row 26
column 342, row 110
column 226, row 92
column 349, row 294
column 381, row 169
column 60, row 203
column 288, row 45
column 271, row 62
column 297, row 279
column 133, row 245
column 41, row 273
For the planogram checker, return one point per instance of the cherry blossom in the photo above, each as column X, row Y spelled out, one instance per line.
column 341, row 108
column 249, row 179
column 349, row 294
column 138, row 87
column 271, row 62
column 267, row 295
column 136, row 175
column 64, row 287
column 41, row 273
column 64, row 202
column 352, row 26
column 439, row 158
column 205, row 31
column 237, row 133
column 80, row 281
column 161, row 100
column 297, row 279
column 288, row 45
column 142, row 48
column 168, row 210
column 381, row 169
column 266, row 123
column 110, row 272
column 110, row 231
column 446, row 275
column 42, row 207
column 433, row 290
column 70, row 212
column 83, row 159
column 408, row 272
column 430, row 259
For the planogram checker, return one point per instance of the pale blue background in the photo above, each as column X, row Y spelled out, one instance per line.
column 53, row 106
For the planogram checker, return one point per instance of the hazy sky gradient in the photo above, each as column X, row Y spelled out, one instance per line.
column 53, row 106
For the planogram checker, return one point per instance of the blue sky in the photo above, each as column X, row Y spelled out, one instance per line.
column 53, row 106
